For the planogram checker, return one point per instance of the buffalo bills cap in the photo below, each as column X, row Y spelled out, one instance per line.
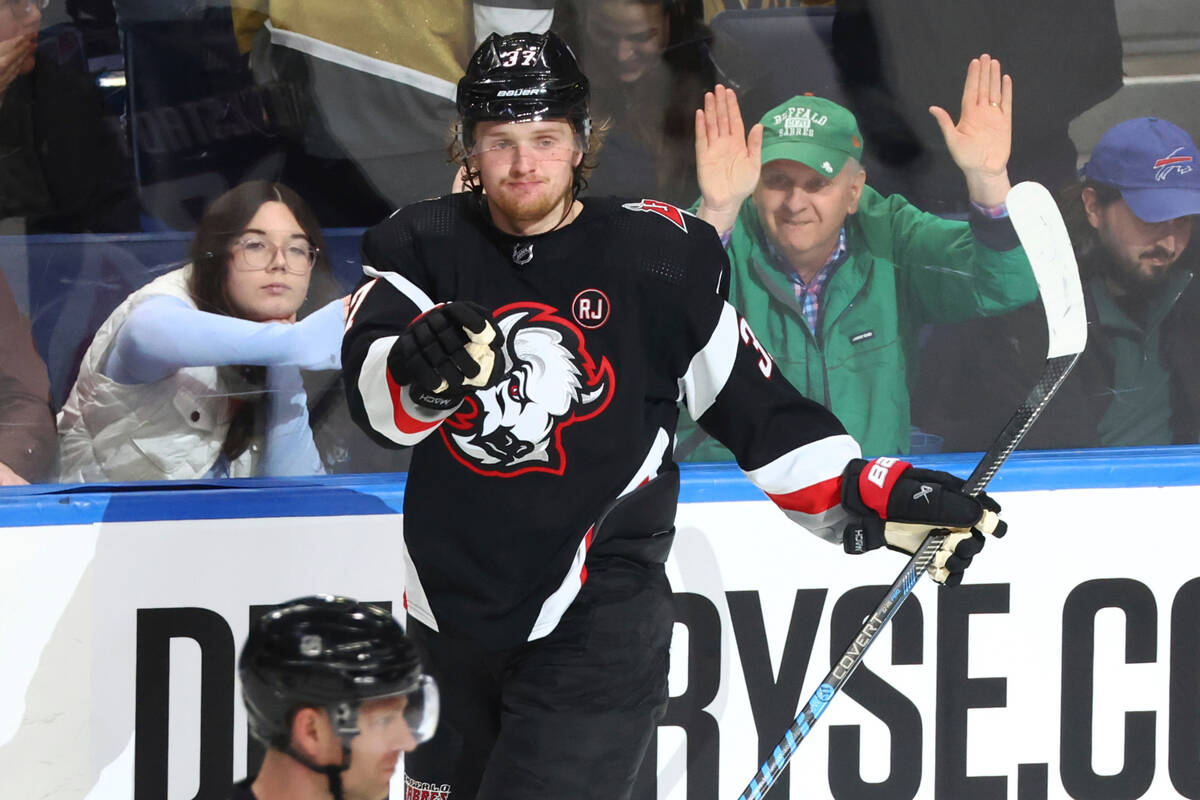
column 1155, row 165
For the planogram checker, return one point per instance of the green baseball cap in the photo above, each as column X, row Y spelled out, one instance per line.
column 812, row 130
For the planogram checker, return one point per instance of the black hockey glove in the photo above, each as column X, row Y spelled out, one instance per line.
column 446, row 352
column 897, row 505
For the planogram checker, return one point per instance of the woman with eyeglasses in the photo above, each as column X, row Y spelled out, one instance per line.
column 197, row 374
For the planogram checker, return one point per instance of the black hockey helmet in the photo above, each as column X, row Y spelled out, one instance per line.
column 332, row 653
column 520, row 78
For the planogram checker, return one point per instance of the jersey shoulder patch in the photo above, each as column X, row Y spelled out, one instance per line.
column 673, row 214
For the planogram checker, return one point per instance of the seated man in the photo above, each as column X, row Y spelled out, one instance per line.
column 1130, row 218
column 838, row 280
column 335, row 690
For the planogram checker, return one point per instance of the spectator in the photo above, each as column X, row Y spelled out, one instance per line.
column 350, row 72
column 26, row 425
column 63, row 170
column 335, row 690
column 197, row 374
column 1130, row 219
column 837, row 279
column 890, row 82
column 651, row 64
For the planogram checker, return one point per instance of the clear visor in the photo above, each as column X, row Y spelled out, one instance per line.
column 422, row 710
column 389, row 721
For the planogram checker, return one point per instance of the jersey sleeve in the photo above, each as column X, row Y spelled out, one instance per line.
column 390, row 296
column 789, row 446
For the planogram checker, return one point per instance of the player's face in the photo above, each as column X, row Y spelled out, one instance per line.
column 526, row 169
column 630, row 35
column 802, row 210
column 375, row 752
column 1142, row 252
column 266, row 278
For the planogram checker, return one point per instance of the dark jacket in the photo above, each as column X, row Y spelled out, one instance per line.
column 64, row 168
column 978, row 372
column 1064, row 57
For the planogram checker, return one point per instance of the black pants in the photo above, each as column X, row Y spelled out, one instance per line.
column 566, row 716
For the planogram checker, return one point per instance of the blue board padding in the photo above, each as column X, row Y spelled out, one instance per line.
column 356, row 495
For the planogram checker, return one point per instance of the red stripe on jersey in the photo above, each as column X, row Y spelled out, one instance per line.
column 587, row 545
column 876, row 480
column 404, row 422
column 813, row 499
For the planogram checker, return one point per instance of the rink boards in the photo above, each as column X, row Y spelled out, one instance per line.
column 1069, row 666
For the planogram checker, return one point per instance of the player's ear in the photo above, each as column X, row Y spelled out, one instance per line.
column 309, row 731
column 1091, row 206
column 857, row 182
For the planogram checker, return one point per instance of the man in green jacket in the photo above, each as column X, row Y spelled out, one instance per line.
column 838, row 280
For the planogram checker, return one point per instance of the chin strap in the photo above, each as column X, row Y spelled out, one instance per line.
column 332, row 772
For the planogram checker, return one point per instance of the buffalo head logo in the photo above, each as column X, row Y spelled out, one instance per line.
column 550, row 381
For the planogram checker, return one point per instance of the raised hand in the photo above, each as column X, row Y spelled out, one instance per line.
column 981, row 141
column 14, row 53
column 727, row 160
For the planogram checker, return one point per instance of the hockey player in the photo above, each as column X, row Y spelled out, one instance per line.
column 533, row 345
column 335, row 690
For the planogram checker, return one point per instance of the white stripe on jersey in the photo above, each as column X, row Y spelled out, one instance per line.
column 404, row 286
column 415, row 599
column 362, row 62
column 379, row 402
column 806, row 466
column 710, row 368
column 804, row 484
column 557, row 603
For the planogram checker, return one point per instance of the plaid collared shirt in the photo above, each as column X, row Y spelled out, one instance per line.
column 808, row 295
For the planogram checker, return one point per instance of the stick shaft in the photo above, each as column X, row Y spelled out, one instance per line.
column 1010, row 436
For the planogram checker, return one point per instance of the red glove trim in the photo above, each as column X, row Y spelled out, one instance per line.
column 876, row 480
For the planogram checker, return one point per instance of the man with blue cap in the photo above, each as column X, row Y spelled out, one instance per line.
column 1131, row 219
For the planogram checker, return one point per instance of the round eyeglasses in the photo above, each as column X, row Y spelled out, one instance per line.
column 258, row 252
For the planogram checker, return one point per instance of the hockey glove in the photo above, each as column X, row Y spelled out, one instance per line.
column 896, row 505
column 446, row 352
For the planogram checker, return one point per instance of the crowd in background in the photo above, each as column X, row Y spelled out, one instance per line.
column 246, row 144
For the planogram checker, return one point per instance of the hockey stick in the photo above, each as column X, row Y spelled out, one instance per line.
column 1044, row 236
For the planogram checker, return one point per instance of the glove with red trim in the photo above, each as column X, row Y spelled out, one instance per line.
column 897, row 505
column 446, row 352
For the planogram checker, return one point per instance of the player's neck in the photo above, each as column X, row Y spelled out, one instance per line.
column 562, row 215
column 283, row 778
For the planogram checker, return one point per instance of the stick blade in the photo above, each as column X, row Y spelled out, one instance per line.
column 1043, row 234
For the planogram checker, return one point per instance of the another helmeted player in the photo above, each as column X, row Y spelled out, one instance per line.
column 532, row 346
column 336, row 691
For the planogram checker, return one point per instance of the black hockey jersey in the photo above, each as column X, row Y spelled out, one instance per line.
column 608, row 322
